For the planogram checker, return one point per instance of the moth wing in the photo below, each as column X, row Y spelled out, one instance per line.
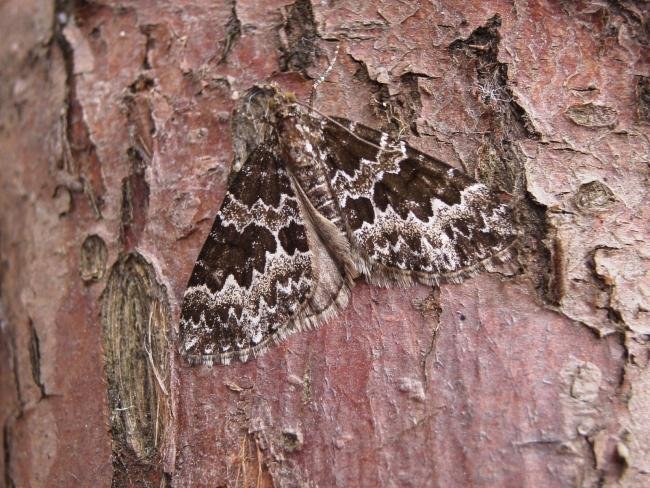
column 410, row 216
column 254, row 274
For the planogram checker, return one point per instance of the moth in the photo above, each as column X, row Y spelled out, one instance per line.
column 320, row 202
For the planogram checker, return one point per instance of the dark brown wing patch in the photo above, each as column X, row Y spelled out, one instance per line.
column 254, row 272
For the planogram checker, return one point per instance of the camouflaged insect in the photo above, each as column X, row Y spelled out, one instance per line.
column 320, row 202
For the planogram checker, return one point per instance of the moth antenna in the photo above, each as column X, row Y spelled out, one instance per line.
column 338, row 124
column 325, row 73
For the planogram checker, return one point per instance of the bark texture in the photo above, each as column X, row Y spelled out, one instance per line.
column 117, row 140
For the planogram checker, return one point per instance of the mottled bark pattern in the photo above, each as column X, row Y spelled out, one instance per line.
column 120, row 123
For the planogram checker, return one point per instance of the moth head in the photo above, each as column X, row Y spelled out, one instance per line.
column 274, row 103
column 283, row 105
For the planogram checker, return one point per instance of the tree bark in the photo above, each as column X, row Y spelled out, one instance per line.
column 117, row 139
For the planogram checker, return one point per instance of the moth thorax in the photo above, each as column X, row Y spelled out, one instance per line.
column 295, row 147
column 305, row 163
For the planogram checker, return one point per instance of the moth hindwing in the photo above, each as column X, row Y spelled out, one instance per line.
column 318, row 203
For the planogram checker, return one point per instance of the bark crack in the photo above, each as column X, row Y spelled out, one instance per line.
column 78, row 168
column 298, row 38
column 233, row 32
column 7, row 446
column 35, row 358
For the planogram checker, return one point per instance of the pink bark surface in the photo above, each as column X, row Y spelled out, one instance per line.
column 115, row 122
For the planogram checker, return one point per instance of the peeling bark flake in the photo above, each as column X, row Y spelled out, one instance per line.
column 92, row 261
column 592, row 115
column 135, row 317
